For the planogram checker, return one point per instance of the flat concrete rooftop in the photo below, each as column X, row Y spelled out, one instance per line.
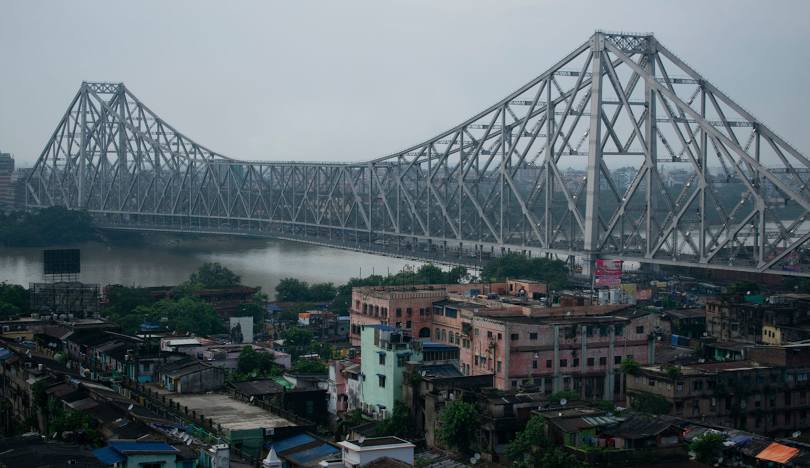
column 231, row 414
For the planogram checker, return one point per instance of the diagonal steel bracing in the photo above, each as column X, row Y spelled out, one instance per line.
column 620, row 149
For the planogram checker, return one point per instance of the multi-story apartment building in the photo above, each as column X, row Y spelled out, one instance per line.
column 407, row 307
column 522, row 342
column 767, row 394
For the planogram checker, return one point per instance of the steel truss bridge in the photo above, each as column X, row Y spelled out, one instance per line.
column 619, row 150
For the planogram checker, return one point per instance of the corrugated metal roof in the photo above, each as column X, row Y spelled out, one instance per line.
column 290, row 442
column 312, row 454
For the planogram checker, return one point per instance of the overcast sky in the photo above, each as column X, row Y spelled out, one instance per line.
column 352, row 80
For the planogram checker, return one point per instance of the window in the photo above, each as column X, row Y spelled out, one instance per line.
column 489, row 334
column 617, row 359
column 399, row 324
column 151, row 465
column 477, row 332
column 563, row 362
column 514, row 337
column 409, row 311
column 575, row 363
column 357, row 305
column 498, row 367
column 382, row 359
column 697, row 385
column 381, row 381
column 590, row 362
column 548, row 364
column 533, row 336
column 438, row 334
column 421, row 311
column 640, row 329
column 408, row 324
column 500, row 337
column 534, row 364
column 475, row 359
column 452, row 313
column 619, row 330
column 399, row 312
column 603, row 361
column 400, row 361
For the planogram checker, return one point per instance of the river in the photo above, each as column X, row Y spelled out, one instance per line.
column 169, row 261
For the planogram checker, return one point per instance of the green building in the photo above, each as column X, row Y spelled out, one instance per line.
column 384, row 350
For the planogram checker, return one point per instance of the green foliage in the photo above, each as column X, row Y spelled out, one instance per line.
column 184, row 315
column 253, row 364
column 604, row 405
column 14, row 299
column 630, row 366
column 63, row 420
column 707, row 447
column 673, row 372
column 553, row 272
column 458, row 425
column 399, row 424
column 295, row 290
column 650, row 403
column 252, row 310
column 532, row 448
column 48, row 226
column 214, row 276
column 309, row 366
column 569, row 395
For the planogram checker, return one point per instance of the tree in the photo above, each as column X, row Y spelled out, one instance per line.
column 650, row 403
column 184, row 315
column 214, row 276
column 553, row 272
column 399, row 424
column 292, row 290
column 707, row 447
column 252, row 364
column 458, row 423
column 532, row 448
column 309, row 366
column 322, row 292
column 252, row 310
column 630, row 366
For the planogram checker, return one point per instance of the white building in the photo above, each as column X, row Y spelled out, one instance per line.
column 359, row 452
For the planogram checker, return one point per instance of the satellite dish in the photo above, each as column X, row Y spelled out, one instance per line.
column 563, row 402
column 477, row 456
column 796, row 434
column 130, row 407
column 251, row 399
column 361, row 439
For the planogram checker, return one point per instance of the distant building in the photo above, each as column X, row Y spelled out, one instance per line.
column 65, row 300
column 766, row 394
column 6, row 185
column 191, row 376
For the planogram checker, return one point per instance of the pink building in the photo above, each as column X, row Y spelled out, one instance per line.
column 521, row 342
column 406, row 307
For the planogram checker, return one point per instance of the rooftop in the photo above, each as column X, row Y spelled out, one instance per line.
column 231, row 414
column 375, row 442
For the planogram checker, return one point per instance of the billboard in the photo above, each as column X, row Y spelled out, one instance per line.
column 241, row 330
column 608, row 272
column 61, row 261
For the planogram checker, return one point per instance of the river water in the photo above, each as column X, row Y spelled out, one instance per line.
column 169, row 261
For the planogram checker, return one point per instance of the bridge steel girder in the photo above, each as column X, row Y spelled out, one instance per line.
column 509, row 179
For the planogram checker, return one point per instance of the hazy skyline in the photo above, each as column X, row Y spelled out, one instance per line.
column 354, row 80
